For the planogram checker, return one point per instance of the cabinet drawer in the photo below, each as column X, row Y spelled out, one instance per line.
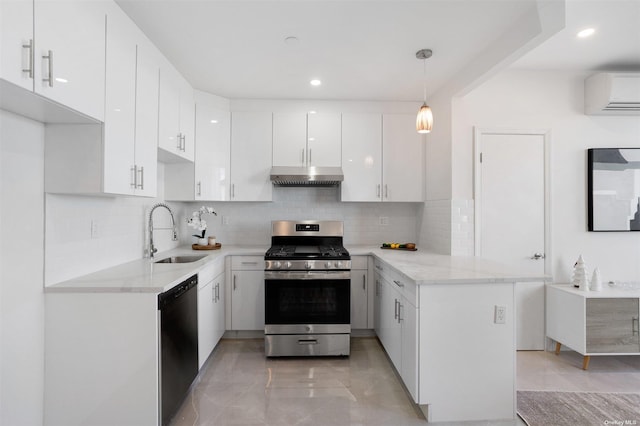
column 209, row 272
column 247, row 263
column 359, row 262
column 405, row 286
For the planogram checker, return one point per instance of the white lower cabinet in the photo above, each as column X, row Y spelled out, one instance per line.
column 397, row 324
column 359, row 292
column 247, row 293
column 210, row 310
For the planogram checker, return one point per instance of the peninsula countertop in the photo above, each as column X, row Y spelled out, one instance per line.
column 424, row 268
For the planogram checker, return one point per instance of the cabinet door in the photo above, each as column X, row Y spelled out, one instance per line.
column 324, row 140
column 361, row 157
column 146, row 153
column 169, row 137
column 409, row 370
column 377, row 305
column 247, row 300
column 74, row 31
column 612, row 325
column 187, row 120
column 359, row 310
column 289, row 139
column 16, row 42
column 390, row 327
column 206, row 318
column 120, row 104
column 251, row 156
column 403, row 159
column 219, row 313
column 212, row 156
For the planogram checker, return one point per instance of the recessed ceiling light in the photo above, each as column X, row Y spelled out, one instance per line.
column 315, row 82
column 587, row 32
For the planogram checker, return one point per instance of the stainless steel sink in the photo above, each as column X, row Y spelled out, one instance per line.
column 180, row 259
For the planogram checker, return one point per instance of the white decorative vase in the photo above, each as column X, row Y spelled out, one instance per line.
column 596, row 281
column 203, row 241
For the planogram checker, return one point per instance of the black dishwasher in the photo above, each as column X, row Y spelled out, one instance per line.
column 178, row 309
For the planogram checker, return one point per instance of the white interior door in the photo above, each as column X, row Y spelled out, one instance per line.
column 512, row 217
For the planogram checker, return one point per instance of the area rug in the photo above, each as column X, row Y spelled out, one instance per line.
column 538, row 408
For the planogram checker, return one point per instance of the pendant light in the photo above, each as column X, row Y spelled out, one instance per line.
column 424, row 121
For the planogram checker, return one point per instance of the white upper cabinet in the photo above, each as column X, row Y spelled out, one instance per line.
column 131, row 109
column 251, row 149
column 289, row 139
column 57, row 50
column 301, row 139
column 16, row 42
column 146, row 135
column 382, row 158
column 177, row 116
column 69, row 54
column 213, row 152
column 208, row 177
column 361, row 157
column 403, row 159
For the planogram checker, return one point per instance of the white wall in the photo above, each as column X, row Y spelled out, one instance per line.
column 21, row 270
column 554, row 101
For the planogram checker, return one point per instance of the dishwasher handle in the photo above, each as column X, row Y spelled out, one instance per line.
column 176, row 292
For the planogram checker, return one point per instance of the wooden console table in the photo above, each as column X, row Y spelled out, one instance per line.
column 594, row 323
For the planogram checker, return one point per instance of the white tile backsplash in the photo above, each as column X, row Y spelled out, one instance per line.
column 462, row 228
column 122, row 234
column 447, row 227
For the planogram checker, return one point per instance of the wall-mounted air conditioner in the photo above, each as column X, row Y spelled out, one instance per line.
column 612, row 94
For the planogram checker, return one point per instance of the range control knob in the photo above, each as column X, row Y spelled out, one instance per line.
column 287, row 265
column 338, row 264
column 308, row 265
column 277, row 265
column 328, row 265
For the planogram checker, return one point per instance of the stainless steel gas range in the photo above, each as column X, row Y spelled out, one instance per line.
column 307, row 290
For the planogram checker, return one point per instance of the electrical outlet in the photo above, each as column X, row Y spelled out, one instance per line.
column 95, row 229
column 384, row 220
column 500, row 314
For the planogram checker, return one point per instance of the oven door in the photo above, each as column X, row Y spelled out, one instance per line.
column 307, row 302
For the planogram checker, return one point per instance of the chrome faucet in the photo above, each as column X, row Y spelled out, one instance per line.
column 152, row 248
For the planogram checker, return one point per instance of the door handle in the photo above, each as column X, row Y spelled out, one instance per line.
column 395, row 309
column 49, row 78
column 141, row 171
column 30, row 61
column 537, row 256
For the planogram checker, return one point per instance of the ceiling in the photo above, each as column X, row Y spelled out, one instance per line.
column 365, row 49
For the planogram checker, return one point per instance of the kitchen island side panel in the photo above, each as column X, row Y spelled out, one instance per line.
column 101, row 363
column 467, row 361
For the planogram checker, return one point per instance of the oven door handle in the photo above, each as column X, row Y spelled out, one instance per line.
column 307, row 341
column 307, row 275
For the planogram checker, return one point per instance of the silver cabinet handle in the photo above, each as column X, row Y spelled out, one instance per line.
column 134, row 177
column 141, row 171
column 378, row 190
column 184, row 143
column 233, row 190
column 30, row 47
column 179, row 146
column 395, row 309
column 199, row 186
column 49, row 78
column 634, row 325
column 537, row 256
column 400, row 307
column 398, row 283
column 379, row 268
column 364, row 282
column 217, row 292
column 248, row 263
column 234, row 283
column 386, row 191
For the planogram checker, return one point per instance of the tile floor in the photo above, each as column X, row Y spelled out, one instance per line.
column 239, row 386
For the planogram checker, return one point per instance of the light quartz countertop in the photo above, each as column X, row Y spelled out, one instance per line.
column 145, row 276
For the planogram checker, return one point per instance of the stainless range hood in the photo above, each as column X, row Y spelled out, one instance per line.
column 306, row 176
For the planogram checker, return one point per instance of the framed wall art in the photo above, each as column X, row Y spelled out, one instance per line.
column 613, row 189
